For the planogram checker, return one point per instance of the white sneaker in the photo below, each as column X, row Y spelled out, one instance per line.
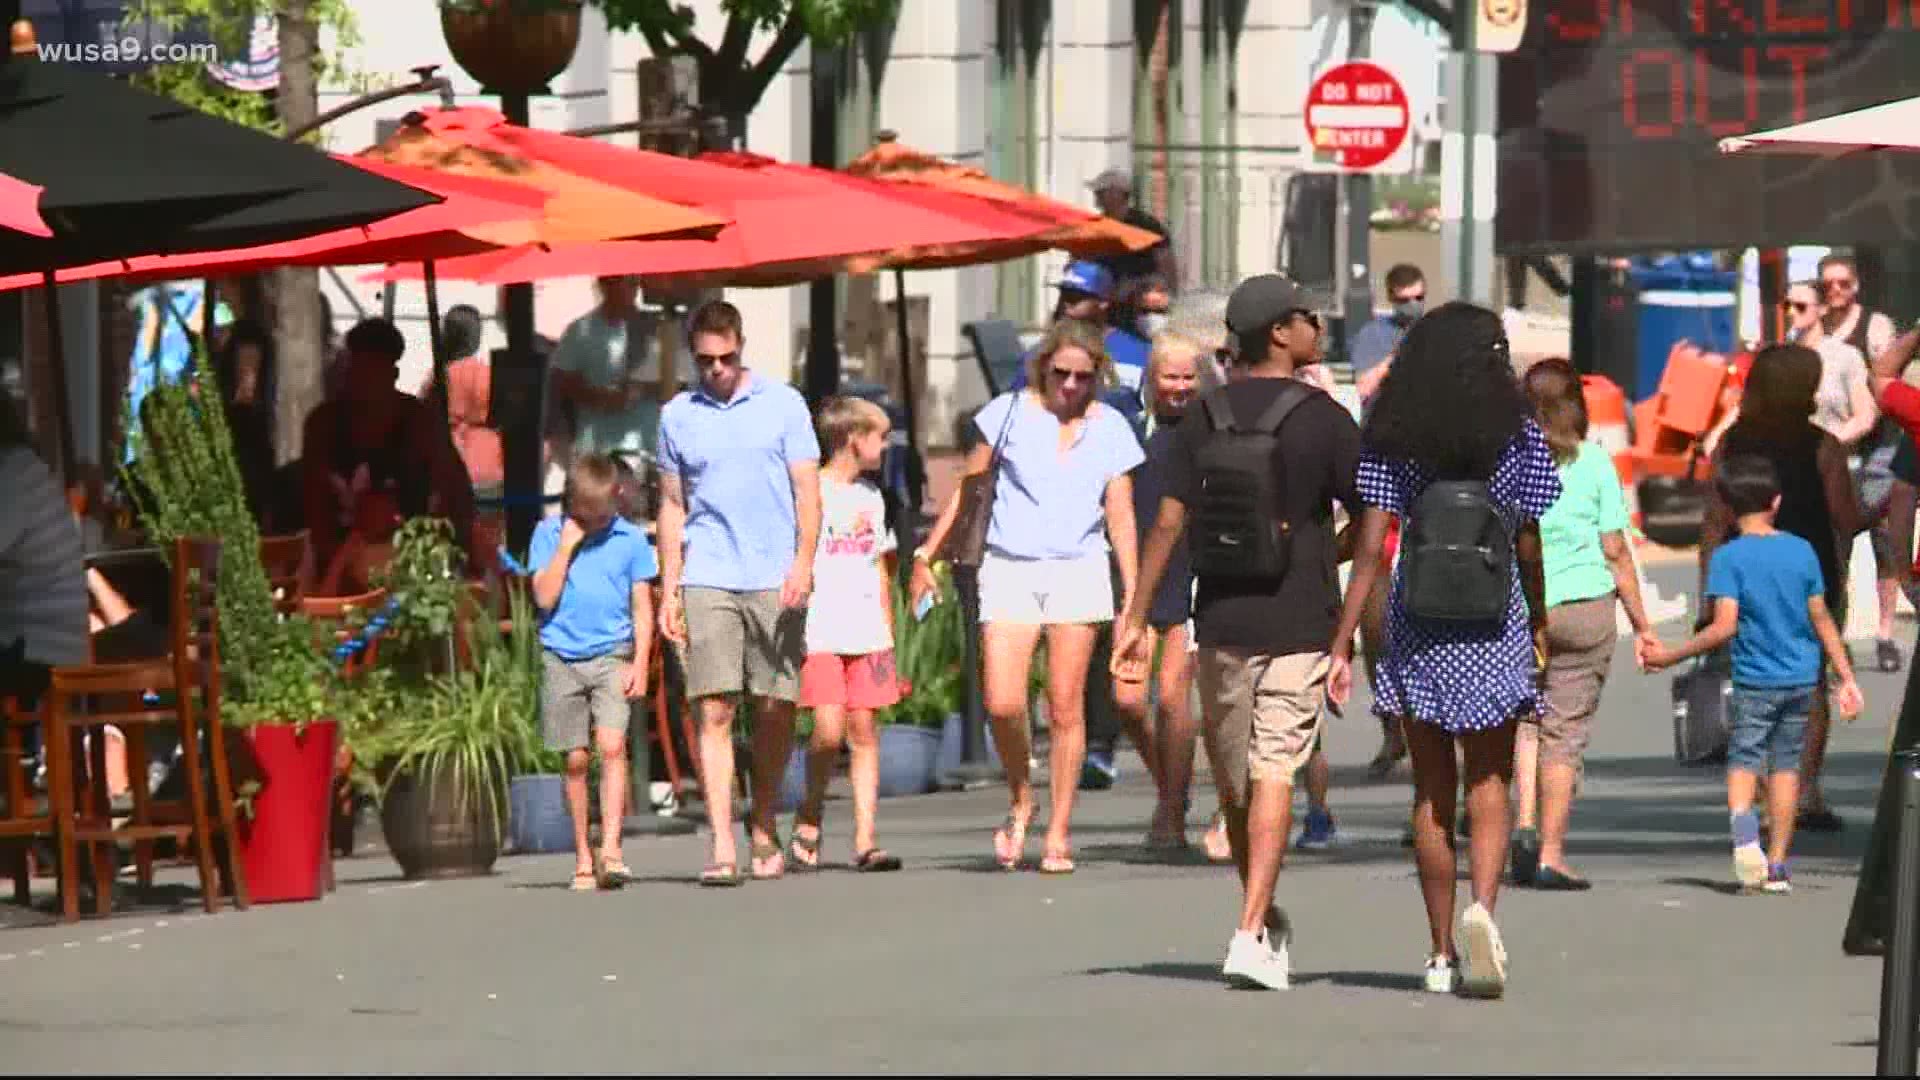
column 1749, row 866
column 1254, row 964
column 1483, row 956
column 1441, row 976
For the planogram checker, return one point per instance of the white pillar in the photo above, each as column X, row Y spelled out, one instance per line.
column 933, row 93
column 1453, row 181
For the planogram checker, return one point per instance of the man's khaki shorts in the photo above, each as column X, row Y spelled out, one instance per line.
column 743, row 643
column 1260, row 714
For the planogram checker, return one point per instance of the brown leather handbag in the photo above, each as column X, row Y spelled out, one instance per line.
column 966, row 542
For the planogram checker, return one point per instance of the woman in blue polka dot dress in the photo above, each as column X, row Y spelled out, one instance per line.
column 1453, row 409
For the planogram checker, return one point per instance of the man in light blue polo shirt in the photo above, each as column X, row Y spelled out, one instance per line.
column 739, row 520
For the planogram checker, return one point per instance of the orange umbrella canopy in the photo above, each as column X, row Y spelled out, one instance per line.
column 1070, row 228
column 580, row 209
column 790, row 224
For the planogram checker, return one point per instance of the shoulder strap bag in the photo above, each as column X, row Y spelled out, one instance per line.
column 966, row 542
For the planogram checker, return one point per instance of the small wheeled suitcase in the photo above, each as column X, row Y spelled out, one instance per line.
column 1702, row 710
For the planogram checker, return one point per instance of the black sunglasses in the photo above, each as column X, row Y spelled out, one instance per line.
column 1302, row 313
column 1068, row 375
column 1795, row 306
column 717, row 359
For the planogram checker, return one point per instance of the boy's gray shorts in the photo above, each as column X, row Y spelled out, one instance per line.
column 579, row 695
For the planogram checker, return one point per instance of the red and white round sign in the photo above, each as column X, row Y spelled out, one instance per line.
column 1357, row 113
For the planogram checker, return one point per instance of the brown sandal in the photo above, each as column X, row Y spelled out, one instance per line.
column 765, row 851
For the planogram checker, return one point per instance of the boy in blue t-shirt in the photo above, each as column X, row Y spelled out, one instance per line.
column 1769, row 600
column 592, row 571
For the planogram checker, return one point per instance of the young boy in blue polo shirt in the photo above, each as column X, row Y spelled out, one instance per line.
column 592, row 571
column 1769, row 600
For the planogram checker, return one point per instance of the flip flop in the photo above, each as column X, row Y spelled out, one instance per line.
column 1058, row 865
column 1014, row 832
column 724, row 875
column 876, row 861
column 763, row 851
column 1216, row 828
column 608, row 875
column 803, row 853
column 584, row 882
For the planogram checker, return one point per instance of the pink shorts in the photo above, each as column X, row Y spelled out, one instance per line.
column 851, row 682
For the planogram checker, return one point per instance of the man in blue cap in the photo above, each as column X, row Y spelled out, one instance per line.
column 1086, row 291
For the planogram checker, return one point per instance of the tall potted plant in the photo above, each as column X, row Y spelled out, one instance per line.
column 280, row 695
column 440, row 741
column 928, row 657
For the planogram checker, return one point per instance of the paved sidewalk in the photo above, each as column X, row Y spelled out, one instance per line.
column 953, row 966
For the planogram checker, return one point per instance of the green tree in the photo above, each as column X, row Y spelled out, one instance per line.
column 732, row 81
column 298, row 335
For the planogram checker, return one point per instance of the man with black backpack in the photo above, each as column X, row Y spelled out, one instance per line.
column 1252, row 482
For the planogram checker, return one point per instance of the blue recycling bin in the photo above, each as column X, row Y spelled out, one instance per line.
column 1681, row 298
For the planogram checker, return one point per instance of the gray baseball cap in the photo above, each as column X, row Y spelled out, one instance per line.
column 1111, row 179
column 1262, row 300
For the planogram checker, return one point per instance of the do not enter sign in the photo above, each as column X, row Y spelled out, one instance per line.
column 1357, row 114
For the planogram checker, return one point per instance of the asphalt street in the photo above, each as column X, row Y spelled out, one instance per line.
column 955, row 966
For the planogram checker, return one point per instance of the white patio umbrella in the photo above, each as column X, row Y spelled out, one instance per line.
column 1893, row 126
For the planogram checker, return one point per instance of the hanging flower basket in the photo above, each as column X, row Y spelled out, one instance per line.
column 511, row 46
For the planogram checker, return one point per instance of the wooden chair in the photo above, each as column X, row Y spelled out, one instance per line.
column 90, row 697
column 285, row 560
column 26, row 816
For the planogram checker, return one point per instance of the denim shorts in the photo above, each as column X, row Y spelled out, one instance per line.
column 1769, row 722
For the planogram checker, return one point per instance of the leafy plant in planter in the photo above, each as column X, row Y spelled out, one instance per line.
column 276, row 684
column 930, row 657
column 442, row 747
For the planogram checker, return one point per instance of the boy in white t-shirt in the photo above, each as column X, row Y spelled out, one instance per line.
column 849, row 671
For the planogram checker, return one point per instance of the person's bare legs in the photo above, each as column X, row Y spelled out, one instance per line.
column 577, row 806
column 863, row 771
column 1266, row 825
column 1132, row 700
column 1813, row 759
column 1436, row 782
column 829, row 731
column 1489, row 773
column 1176, row 731
column 772, row 745
column 1558, row 779
column 1783, row 794
column 1006, row 659
column 1526, row 775
column 1069, row 652
column 613, row 792
column 1319, row 780
column 716, row 774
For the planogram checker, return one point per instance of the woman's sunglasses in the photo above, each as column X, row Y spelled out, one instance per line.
column 1069, row 375
column 1798, row 307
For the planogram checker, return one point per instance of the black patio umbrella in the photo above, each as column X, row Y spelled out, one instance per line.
column 130, row 173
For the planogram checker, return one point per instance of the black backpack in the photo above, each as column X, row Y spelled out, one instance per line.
column 1238, row 527
column 1459, row 556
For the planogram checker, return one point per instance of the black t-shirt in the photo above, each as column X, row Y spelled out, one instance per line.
column 1319, row 453
column 1133, row 264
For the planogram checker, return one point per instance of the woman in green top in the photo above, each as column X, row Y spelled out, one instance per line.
column 1588, row 567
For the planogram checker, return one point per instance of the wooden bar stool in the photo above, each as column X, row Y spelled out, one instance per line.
column 27, row 816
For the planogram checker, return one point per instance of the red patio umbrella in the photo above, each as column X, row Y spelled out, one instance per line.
column 790, row 223
column 441, row 230
column 20, row 207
